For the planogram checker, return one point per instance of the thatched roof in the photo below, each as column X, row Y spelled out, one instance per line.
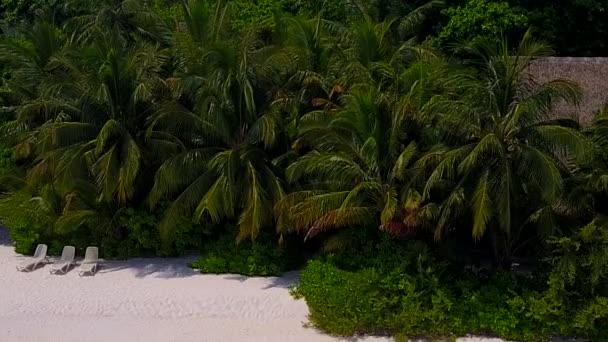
column 590, row 73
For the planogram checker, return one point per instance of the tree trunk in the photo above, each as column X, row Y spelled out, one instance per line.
column 501, row 251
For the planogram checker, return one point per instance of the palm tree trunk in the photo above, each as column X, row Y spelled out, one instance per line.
column 501, row 251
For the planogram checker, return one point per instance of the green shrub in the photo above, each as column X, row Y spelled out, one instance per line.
column 403, row 288
column 168, row 11
column 25, row 236
column 481, row 18
column 263, row 257
column 26, row 224
column 388, row 287
column 6, row 159
column 16, row 10
column 142, row 231
column 139, row 236
column 186, row 236
column 134, row 234
column 247, row 13
column 337, row 10
column 375, row 301
column 575, row 300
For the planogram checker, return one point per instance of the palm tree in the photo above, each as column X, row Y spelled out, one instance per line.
column 359, row 171
column 587, row 187
column 52, row 210
column 227, row 168
column 380, row 51
column 84, row 126
column 504, row 154
column 31, row 57
column 297, row 72
column 120, row 87
column 103, row 95
column 132, row 20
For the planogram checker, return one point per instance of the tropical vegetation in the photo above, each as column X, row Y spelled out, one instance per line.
column 418, row 165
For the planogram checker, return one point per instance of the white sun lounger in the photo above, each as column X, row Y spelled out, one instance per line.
column 32, row 263
column 89, row 264
column 65, row 262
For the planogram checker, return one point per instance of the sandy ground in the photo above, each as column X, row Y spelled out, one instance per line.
column 148, row 300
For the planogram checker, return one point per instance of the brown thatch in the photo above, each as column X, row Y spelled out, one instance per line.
column 589, row 73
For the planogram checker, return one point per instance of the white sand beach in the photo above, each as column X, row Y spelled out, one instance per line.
column 148, row 300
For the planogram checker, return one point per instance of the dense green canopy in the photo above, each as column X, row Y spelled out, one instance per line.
column 572, row 27
column 149, row 128
column 302, row 127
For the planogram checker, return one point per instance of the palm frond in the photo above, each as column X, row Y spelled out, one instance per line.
column 325, row 166
column 446, row 169
column 409, row 24
column 257, row 211
column 403, row 162
column 488, row 147
column 341, row 218
column 391, row 205
column 179, row 171
column 482, row 207
column 541, row 171
column 559, row 138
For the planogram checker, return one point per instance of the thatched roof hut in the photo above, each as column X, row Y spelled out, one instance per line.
column 590, row 73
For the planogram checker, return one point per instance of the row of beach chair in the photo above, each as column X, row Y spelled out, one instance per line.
column 63, row 265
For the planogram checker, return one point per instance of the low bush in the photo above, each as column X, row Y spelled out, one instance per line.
column 6, row 159
column 481, row 18
column 137, row 235
column 575, row 301
column 397, row 291
column 26, row 224
column 263, row 257
column 403, row 288
column 133, row 232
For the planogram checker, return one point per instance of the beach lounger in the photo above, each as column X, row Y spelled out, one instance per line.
column 89, row 264
column 32, row 263
column 65, row 262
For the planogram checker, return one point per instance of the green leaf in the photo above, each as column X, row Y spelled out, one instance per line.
column 482, row 207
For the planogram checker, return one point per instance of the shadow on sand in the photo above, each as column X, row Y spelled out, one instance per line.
column 4, row 237
column 285, row 281
column 154, row 267
column 168, row 268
